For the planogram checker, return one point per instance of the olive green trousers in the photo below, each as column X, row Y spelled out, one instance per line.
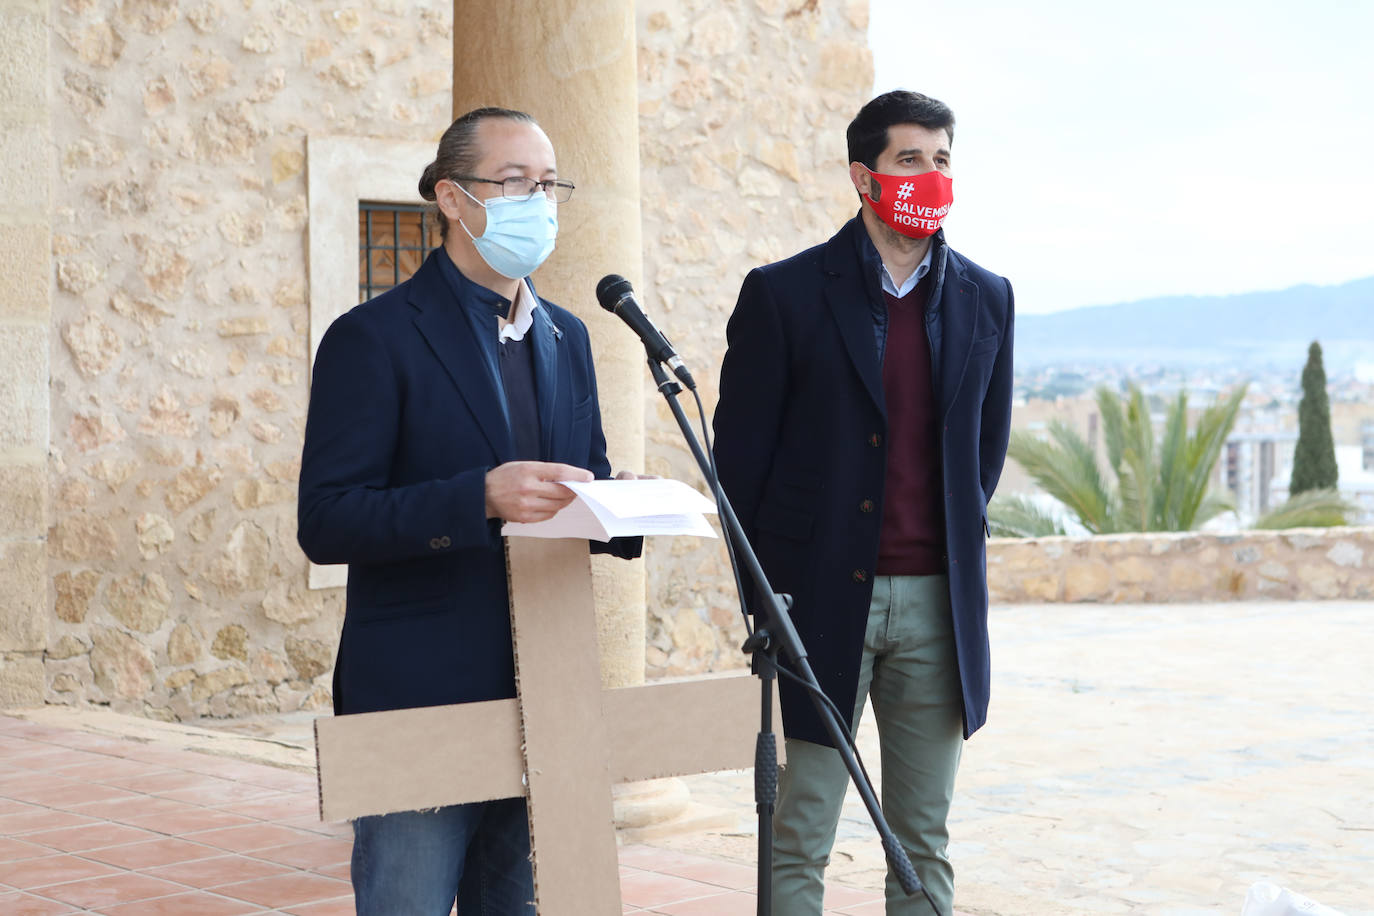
column 910, row 673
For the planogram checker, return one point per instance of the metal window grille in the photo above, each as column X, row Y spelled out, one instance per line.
column 393, row 240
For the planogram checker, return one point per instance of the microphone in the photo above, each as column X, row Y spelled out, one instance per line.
column 616, row 295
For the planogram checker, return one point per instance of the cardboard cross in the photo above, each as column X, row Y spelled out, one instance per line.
column 562, row 742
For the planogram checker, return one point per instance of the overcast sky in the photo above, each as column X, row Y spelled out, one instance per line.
column 1108, row 152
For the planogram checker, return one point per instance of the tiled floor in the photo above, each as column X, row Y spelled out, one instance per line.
column 95, row 824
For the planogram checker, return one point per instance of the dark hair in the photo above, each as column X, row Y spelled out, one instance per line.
column 458, row 152
column 867, row 133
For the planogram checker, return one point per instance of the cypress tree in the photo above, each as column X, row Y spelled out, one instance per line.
column 1314, row 459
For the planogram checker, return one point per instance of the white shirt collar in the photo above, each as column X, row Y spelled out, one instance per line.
column 890, row 287
column 521, row 314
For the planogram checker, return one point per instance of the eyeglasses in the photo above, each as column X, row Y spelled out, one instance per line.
column 517, row 187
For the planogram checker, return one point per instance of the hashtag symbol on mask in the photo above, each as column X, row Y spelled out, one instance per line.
column 904, row 191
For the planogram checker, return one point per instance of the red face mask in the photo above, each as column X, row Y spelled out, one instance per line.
column 914, row 205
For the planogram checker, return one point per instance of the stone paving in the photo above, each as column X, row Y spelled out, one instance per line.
column 1148, row 759
column 108, row 814
column 1139, row 759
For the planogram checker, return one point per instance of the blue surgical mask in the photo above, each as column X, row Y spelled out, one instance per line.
column 519, row 233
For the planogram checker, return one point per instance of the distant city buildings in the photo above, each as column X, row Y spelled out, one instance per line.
column 1355, row 464
column 1257, row 463
column 1257, row 460
column 1251, row 468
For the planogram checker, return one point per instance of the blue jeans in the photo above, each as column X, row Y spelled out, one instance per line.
column 416, row 863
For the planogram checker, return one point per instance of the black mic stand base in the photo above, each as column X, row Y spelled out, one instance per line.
column 764, row 652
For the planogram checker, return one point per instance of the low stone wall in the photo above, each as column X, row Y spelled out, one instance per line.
column 1301, row 564
column 699, row 627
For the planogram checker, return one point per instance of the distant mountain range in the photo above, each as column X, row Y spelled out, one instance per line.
column 1247, row 331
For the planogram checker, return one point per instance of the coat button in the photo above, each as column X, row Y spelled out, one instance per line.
column 434, row 544
column 445, row 542
column 860, row 576
column 875, row 440
column 866, row 506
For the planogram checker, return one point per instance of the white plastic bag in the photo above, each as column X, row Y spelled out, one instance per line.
column 1265, row 899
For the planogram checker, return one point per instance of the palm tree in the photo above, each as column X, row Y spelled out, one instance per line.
column 1158, row 487
column 1065, row 467
column 1015, row 515
column 1325, row 508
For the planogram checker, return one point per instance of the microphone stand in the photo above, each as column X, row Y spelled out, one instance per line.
column 775, row 633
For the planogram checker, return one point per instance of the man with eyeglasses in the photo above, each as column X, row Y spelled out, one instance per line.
column 438, row 410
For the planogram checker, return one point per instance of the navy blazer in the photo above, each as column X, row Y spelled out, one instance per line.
column 405, row 421
column 800, row 446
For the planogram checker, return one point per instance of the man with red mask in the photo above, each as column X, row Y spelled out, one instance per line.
column 865, row 406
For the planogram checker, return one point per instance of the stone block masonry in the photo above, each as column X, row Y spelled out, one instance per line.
column 169, row 262
column 25, row 316
column 174, row 255
column 1301, row 565
column 742, row 113
column 1297, row 565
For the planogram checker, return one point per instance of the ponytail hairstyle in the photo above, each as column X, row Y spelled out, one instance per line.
column 458, row 152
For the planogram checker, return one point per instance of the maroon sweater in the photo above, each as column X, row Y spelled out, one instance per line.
column 913, row 533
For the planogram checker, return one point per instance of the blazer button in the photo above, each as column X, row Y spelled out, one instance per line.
column 434, row 544
column 866, row 506
column 875, row 440
column 860, row 576
column 445, row 542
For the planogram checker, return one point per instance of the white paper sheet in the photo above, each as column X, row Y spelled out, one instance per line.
column 633, row 498
column 605, row 509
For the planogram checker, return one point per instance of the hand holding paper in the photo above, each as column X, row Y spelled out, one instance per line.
column 530, row 491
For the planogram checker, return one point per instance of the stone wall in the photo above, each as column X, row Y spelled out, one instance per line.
column 180, row 333
column 25, row 317
column 743, row 108
column 173, row 251
column 1309, row 564
column 1296, row 566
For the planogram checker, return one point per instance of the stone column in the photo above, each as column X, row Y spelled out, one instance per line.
column 25, row 315
column 571, row 64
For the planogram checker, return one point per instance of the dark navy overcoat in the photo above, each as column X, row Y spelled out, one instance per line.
column 405, row 420
column 800, row 443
